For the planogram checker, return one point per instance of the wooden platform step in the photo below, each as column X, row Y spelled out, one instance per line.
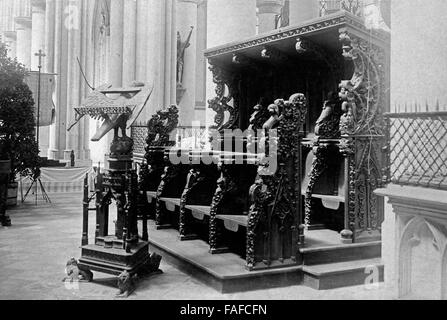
column 324, row 254
column 343, row 274
column 224, row 272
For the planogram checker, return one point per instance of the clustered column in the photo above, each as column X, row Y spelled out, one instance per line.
column 23, row 30
column 268, row 10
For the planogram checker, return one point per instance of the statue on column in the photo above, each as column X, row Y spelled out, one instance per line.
column 181, row 48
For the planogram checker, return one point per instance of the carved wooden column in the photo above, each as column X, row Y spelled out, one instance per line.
column 362, row 129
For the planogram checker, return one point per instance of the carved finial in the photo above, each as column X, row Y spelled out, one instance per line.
column 437, row 105
column 427, row 109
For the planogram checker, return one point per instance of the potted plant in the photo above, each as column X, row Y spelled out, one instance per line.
column 17, row 122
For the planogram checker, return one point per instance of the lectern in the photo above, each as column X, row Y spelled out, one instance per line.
column 122, row 252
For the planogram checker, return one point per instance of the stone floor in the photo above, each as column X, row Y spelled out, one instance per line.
column 44, row 236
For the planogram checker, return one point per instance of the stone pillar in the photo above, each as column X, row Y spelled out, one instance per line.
column 201, row 64
column 50, row 11
column 10, row 38
column 268, row 10
column 48, row 66
column 23, row 30
column 129, row 45
column 161, row 55
column 142, row 32
column 57, row 132
column 116, row 42
column 186, row 90
column 303, row 10
column 38, row 43
column 37, row 32
column 84, row 126
column 73, row 83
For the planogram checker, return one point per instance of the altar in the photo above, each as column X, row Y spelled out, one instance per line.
column 62, row 180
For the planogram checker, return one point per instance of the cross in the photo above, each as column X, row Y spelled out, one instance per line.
column 40, row 54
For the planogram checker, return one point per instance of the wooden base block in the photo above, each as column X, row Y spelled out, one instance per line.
column 115, row 261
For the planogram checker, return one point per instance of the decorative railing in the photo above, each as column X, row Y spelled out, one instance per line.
column 417, row 151
column 139, row 135
column 331, row 6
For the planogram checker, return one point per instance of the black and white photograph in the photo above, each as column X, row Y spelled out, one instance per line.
column 223, row 150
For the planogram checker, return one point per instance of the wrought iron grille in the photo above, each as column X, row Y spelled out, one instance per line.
column 418, row 149
column 330, row 6
column 139, row 135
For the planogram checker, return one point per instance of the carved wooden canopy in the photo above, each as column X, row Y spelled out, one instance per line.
column 326, row 41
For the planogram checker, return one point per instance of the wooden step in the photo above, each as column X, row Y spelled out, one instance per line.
column 343, row 274
column 225, row 272
column 340, row 253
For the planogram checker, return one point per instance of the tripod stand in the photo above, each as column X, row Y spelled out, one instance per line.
column 36, row 182
column 36, row 177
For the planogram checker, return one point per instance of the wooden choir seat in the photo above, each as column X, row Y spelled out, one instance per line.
column 328, row 190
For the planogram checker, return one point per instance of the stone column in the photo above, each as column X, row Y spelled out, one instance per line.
column 268, row 10
column 129, row 39
column 303, row 10
column 49, row 35
column 10, row 38
column 84, row 126
column 48, row 66
column 38, row 43
column 186, row 90
column 57, row 134
column 23, row 30
column 116, row 42
column 37, row 32
column 161, row 55
column 73, row 83
column 142, row 32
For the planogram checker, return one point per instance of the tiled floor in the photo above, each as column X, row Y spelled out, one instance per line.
column 42, row 238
